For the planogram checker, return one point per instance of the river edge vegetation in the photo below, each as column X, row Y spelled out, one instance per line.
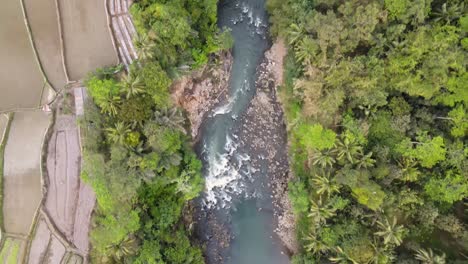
column 375, row 97
column 137, row 155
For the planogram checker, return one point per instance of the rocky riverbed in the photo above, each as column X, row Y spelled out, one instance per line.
column 263, row 131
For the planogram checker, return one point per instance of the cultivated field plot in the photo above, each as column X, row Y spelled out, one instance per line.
column 63, row 161
column 22, row 171
column 46, row 247
column 123, row 28
column 69, row 202
column 44, row 23
column 22, row 81
column 87, row 39
column 12, row 251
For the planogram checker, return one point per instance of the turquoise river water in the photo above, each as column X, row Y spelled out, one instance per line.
column 236, row 204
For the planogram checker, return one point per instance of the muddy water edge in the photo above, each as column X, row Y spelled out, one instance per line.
column 243, row 149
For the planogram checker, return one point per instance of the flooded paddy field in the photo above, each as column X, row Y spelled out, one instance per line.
column 87, row 38
column 22, row 81
column 44, row 23
column 22, row 170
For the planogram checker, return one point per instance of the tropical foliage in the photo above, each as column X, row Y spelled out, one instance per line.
column 137, row 156
column 376, row 96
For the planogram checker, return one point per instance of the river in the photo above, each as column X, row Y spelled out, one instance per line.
column 236, row 219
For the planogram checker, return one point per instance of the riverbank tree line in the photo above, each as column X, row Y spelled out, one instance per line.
column 375, row 97
column 137, row 154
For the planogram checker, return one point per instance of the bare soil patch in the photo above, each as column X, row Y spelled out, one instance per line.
column 69, row 201
column 63, row 162
column 22, row 80
column 44, row 23
column 85, row 207
column 22, row 174
column 87, row 38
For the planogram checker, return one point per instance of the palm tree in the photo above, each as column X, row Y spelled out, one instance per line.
column 306, row 50
column 448, row 12
column 147, row 175
column 118, row 133
column 369, row 110
column 131, row 85
column 409, row 170
column 183, row 182
column 127, row 247
column 324, row 159
column 391, row 232
column 342, row 257
column 110, row 105
column 347, row 149
column 144, row 46
column 381, row 254
column 325, row 184
column 169, row 160
column 185, row 185
column 295, row 33
column 428, row 257
column 365, row 161
column 314, row 245
column 320, row 212
column 171, row 118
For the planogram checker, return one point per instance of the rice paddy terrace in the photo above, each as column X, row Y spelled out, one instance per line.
column 47, row 48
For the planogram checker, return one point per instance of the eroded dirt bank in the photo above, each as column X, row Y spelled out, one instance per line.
column 201, row 91
column 263, row 131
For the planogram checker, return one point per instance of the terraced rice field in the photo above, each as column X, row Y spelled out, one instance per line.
column 87, row 38
column 22, row 171
column 22, row 81
column 71, row 38
column 46, row 34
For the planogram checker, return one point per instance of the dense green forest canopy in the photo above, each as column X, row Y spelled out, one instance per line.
column 375, row 96
column 137, row 155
